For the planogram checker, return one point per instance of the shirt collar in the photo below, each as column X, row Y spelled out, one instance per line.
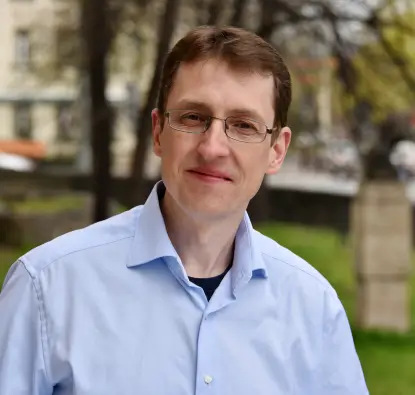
column 248, row 260
column 152, row 242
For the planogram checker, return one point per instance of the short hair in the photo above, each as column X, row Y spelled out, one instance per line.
column 242, row 50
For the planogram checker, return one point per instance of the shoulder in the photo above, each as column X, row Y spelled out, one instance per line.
column 96, row 237
column 281, row 262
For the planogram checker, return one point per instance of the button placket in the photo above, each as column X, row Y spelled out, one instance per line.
column 205, row 363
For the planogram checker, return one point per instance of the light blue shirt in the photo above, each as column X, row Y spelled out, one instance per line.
column 109, row 310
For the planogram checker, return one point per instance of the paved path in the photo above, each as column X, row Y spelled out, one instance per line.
column 291, row 177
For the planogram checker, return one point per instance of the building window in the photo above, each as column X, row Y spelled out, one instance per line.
column 22, row 48
column 65, row 123
column 23, row 121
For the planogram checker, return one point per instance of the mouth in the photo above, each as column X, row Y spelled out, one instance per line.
column 210, row 176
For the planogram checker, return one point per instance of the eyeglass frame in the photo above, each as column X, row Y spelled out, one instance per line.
column 208, row 124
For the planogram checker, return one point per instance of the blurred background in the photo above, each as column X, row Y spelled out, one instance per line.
column 79, row 78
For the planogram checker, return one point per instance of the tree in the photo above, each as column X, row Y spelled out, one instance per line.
column 259, row 206
column 97, row 36
column 238, row 12
column 332, row 25
column 386, row 67
column 214, row 12
column 167, row 25
column 86, row 46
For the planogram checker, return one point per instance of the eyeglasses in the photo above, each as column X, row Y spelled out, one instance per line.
column 236, row 128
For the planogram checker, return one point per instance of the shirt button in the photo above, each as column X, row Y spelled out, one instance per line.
column 208, row 379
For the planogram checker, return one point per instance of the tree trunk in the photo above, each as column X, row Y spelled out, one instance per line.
column 238, row 10
column 215, row 8
column 143, row 126
column 267, row 26
column 96, row 38
column 259, row 207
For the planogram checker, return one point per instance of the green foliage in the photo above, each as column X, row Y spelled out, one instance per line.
column 380, row 77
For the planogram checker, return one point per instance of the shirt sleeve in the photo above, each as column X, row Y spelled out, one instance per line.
column 22, row 336
column 341, row 372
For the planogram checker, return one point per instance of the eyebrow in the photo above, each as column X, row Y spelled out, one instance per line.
column 187, row 104
column 192, row 104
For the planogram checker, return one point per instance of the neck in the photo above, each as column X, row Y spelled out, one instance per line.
column 204, row 246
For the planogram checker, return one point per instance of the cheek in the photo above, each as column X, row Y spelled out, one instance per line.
column 175, row 149
column 256, row 163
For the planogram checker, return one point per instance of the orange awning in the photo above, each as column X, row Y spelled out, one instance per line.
column 27, row 148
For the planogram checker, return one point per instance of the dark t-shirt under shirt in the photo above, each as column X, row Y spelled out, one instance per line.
column 210, row 284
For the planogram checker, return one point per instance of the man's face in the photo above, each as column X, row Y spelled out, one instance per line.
column 209, row 175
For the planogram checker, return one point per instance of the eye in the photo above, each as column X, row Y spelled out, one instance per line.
column 192, row 118
column 244, row 126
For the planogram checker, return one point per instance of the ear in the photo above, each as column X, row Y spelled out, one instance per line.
column 156, row 131
column 278, row 151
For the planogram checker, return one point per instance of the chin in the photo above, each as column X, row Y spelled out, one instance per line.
column 206, row 205
column 206, row 202
column 208, row 213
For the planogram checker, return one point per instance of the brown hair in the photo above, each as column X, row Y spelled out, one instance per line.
column 241, row 50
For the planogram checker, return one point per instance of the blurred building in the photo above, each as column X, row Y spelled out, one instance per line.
column 38, row 105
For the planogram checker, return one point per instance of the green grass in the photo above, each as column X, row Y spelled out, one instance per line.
column 7, row 257
column 47, row 204
column 323, row 249
column 388, row 360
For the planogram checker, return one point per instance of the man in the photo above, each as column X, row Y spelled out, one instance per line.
column 181, row 296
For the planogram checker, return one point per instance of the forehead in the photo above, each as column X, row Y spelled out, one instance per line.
column 222, row 90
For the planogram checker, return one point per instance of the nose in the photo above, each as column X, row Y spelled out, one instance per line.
column 214, row 142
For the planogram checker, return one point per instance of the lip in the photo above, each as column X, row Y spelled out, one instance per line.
column 210, row 175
